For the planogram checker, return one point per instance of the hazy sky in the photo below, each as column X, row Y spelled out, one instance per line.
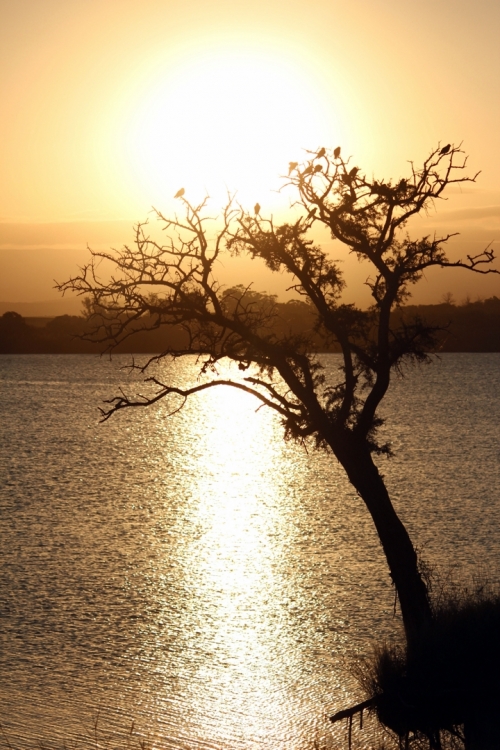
column 109, row 106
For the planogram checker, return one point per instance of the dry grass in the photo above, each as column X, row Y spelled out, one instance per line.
column 449, row 679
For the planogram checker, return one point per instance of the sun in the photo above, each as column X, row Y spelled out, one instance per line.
column 225, row 119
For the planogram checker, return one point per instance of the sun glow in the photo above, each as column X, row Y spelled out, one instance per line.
column 227, row 119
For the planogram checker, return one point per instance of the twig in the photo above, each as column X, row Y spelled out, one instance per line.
column 348, row 713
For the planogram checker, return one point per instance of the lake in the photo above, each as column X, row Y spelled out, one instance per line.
column 200, row 577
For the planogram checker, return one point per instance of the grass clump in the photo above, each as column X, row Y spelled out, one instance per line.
column 450, row 679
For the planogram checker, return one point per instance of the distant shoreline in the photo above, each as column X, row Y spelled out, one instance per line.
column 470, row 327
column 43, row 309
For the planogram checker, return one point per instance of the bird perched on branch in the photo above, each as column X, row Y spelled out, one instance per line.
column 445, row 149
column 378, row 188
column 336, row 153
column 256, row 208
column 354, row 171
column 318, row 168
column 321, row 153
column 179, row 193
column 291, row 166
column 308, row 169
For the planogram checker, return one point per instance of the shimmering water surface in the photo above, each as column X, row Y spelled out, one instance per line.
column 200, row 577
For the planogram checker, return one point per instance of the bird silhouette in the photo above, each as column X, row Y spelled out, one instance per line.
column 336, row 153
column 321, row 153
column 378, row 188
column 256, row 208
column 291, row 166
column 353, row 172
column 445, row 149
column 308, row 169
column 179, row 193
column 318, row 168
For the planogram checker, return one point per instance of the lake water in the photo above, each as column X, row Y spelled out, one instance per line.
column 199, row 577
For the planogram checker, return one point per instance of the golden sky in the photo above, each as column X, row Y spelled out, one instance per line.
column 109, row 106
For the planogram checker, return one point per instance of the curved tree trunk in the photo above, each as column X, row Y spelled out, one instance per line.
column 396, row 543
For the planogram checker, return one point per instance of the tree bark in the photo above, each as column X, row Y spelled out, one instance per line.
column 396, row 543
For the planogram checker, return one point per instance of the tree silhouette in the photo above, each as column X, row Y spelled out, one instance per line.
column 174, row 284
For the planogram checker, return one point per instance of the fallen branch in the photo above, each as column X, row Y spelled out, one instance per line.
column 348, row 713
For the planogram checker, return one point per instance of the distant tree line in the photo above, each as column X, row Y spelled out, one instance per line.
column 469, row 327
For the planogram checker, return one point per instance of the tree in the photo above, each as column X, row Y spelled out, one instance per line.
column 15, row 334
column 174, row 284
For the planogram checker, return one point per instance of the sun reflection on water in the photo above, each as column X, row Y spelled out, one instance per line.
column 252, row 622
column 235, row 564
